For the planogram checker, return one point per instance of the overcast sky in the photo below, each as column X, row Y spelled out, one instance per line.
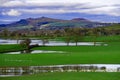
column 97, row 10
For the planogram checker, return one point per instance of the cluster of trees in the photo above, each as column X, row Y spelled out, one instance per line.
column 60, row 32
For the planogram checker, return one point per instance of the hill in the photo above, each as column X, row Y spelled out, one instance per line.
column 50, row 23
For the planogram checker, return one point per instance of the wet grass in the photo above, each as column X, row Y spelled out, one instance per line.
column 10, row 47
column 68, row 76
column 74, row 55
column 102, row 38
column 110, row 38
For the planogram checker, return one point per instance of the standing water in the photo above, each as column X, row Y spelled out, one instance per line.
column 19, row 71
column 51, row 43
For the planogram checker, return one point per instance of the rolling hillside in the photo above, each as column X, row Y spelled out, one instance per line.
column 50, row 23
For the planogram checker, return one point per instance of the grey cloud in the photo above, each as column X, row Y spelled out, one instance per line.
column 88, row 8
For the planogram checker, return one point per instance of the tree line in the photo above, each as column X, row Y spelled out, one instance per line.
column 68, row 34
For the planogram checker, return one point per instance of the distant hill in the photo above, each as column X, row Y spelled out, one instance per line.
column 50, row 23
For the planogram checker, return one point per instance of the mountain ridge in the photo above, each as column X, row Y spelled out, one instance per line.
column 51, row 23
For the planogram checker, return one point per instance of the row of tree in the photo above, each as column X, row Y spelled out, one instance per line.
column 69, row 34
column 61, row 32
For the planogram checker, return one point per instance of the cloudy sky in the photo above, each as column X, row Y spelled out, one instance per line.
column 96, row 10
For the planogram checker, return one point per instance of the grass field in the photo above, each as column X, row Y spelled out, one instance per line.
column 10, row 47
column 101, row 38
column 111, row 38
column 74, row 55
column 68, row 76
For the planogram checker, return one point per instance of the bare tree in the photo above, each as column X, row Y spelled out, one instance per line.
column 68, row 35
column 17, row 37
column 44, row 41
column 76, row 35
column 5, row 33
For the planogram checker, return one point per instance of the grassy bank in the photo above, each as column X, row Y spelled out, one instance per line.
column 68, row 76
column 10, row 47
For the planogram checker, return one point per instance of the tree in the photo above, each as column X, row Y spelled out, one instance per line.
column 44, row 40
column 95, row 34
column 77, row 35
column 68, row 35
column 5, row 33
column 26, row 44
column 67, row 40
column 17, row 37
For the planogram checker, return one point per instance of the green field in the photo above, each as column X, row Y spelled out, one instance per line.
column 68, row 76
column 110, row 38
column 73, row 55
column 10, row 47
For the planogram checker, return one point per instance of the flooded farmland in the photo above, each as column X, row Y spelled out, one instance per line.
column 27, row 70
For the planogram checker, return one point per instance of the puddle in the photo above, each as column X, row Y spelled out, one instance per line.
column 19, row 71
column 42, row 51
column 36, row 52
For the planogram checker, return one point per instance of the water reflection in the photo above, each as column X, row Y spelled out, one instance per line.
column 18, row 71
column 36, row 52
column 51, row 43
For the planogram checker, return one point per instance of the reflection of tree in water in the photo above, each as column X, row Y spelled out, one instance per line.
column 118, row 69
column 37, row 69
column 103, row 68
column 93, row 68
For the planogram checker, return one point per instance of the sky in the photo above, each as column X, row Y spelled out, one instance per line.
column 95, row 10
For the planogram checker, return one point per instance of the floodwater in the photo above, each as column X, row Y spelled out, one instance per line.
column 37, row 52
column 26, row 70
column 51, row 43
